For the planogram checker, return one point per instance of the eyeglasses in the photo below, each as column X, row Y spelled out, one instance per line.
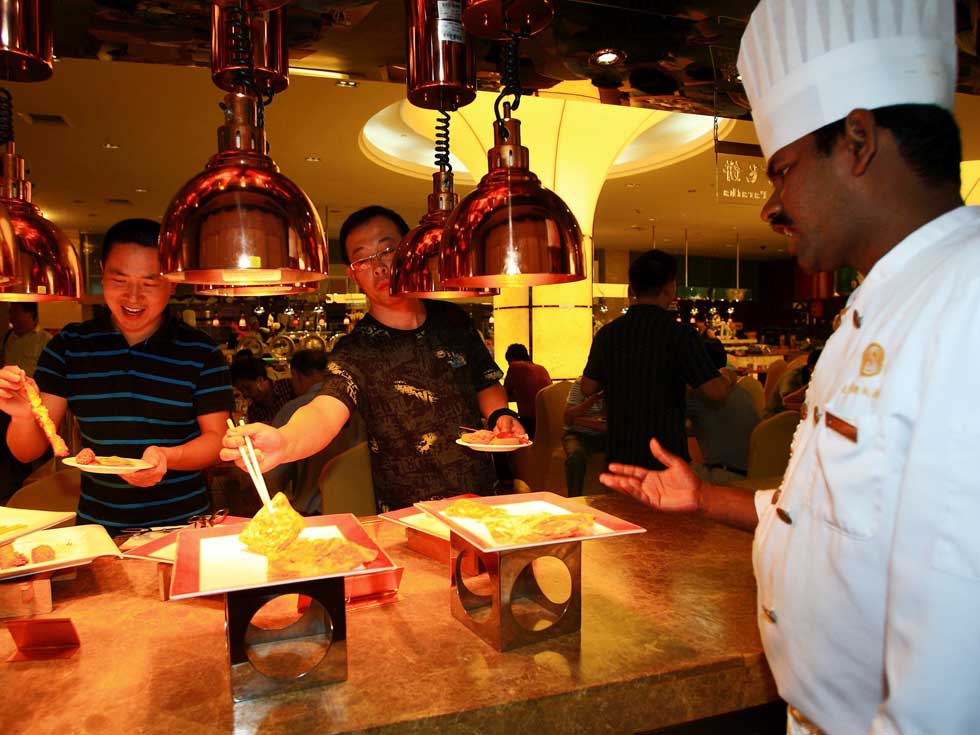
column 383, row 257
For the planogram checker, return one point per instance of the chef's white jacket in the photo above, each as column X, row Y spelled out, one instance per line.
column 868, row 557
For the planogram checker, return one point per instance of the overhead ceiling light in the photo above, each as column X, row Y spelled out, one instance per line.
column 110, row 146
column 37, row 261
column 312, row 159
column 141, row 190
column 607, row 57
column 240, row 222
column 26, row 47
column 350, row 83
column 632, row 186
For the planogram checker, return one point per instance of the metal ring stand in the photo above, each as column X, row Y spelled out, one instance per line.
column 327, row 622
column 512, row 577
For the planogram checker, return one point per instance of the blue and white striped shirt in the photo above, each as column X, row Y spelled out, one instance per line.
column 127, row 398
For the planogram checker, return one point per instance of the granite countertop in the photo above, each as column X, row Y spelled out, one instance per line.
column 668, row 635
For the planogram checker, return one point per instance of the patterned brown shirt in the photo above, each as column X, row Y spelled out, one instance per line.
column 414, row 389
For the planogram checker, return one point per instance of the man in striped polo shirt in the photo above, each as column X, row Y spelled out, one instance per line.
column 141, row 384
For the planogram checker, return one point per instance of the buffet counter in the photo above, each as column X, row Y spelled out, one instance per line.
column 668, row 635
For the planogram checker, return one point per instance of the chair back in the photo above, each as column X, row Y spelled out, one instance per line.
column 754, row 387
column 769, row 445
column 773, row 373
column 346, row 485
column 542, row 465
column 59, row 491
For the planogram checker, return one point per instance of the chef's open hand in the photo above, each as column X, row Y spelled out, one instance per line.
column 674, row 489
column 157, row 457
column 13, row 397
column 508, row 424
column 268, row 443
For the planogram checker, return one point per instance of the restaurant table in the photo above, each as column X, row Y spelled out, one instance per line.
column 668, row 635
column 757, row 362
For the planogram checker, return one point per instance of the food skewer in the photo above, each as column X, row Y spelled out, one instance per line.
column 252, row 465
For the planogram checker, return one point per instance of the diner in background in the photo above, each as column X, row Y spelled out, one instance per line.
column 141, row 384
column 580, row 441
column 24, row 342
column 300, row 479
column 265, row 396
column 416, row 370
column 790, row 391
column 867, row 557
column 522, row 382
column 644, row 361
column 722, row 428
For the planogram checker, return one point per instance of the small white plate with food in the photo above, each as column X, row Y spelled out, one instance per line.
column 485, row 440
column 87, row 461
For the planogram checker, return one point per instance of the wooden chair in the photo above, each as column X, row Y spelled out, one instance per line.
column 346, row 485
column 542, row 465
column 773, row 374
column 59, row 491
column 753, row 386
column 769, row 445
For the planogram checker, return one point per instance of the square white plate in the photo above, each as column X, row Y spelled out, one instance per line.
column 29, row 521
column 72, row 547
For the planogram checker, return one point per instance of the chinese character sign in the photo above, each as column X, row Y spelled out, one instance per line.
column 741, row 180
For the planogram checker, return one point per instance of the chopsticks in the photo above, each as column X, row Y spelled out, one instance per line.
column 469, row 428
column 252, row 465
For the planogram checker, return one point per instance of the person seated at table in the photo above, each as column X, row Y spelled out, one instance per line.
column 300, row 479
column 523, row 381
column 581, row 441
column 265, row 396
column 791, row 388
column 722, row 428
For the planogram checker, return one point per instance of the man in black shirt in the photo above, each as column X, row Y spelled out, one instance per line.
column 416, row 370
column 644, row 360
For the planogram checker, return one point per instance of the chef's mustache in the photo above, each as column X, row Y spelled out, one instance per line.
column 780, row 219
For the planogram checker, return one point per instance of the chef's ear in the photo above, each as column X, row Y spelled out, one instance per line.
column 861, row 139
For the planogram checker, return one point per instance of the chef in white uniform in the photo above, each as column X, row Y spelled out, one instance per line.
column 867, row 557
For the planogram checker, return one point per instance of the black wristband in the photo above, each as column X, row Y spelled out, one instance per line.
column 492, row 418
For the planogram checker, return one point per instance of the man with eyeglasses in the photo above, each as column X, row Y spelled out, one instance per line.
column 141, row 383
column 416, row 370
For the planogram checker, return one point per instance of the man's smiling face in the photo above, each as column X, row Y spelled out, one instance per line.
column 134, row 291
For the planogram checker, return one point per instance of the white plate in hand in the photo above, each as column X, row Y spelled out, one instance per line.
column 493, row 447
column 132, row 465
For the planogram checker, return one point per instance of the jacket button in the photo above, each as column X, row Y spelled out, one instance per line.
column 775, row 496
column 803, row 411
column 784, row 516
column 769, row 613
column 856, row 318
column 816, row 414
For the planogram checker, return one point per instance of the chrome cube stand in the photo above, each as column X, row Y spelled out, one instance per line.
column 511, row 577
column 325, row 623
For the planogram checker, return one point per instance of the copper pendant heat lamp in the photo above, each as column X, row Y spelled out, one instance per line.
column 441, row 64
column 511, row 231
column 415, row 269
column 241, row 223
column 26, row 47
column 37, row 261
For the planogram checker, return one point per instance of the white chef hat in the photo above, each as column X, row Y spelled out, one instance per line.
column 807, row 63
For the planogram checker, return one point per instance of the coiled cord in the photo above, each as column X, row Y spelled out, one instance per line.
column 442, row 141
column 6, row 117
column 511, row 81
